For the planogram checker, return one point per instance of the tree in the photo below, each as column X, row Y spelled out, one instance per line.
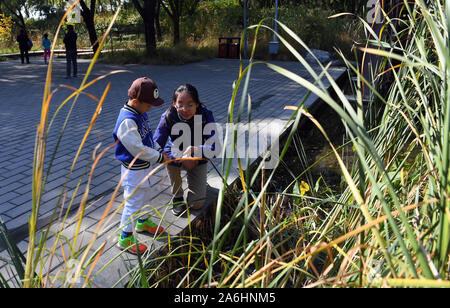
column 157, row 23
column 147, row 12
column 174, row 8
column 88, row 14
column 15, row 9
column 87, row 11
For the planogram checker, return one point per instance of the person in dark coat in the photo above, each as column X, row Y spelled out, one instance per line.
column 70, row 41
column 23, row 39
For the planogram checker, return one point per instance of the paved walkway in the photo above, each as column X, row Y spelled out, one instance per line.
column 21, row 89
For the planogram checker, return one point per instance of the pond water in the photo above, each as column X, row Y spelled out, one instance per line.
column 310, row 141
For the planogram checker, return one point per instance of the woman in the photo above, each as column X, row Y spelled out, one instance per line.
column 188, row 115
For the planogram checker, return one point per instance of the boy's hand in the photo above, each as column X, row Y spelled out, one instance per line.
column 166, row 156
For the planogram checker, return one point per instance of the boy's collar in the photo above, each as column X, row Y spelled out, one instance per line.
column 131, row 108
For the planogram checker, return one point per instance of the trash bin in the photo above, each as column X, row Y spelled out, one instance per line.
column 233, row 48
column 223, row 47
column 229, row 47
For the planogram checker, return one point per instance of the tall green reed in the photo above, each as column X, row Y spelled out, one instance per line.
column 390, row 225
column 34, row 252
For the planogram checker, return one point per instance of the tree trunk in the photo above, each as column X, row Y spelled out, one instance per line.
column 147, row 13
column 22, row 20
column 88, row 18
column 90, row 25
column 149, row 24
column 157, row 23
column 175, row 13
column 176, row 30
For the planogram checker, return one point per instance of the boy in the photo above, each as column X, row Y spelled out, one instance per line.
column 135, row 139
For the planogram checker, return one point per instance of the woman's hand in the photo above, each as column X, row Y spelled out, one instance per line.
column 189, row 164
column 190, row 151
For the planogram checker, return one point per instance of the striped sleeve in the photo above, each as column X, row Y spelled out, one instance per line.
column 129, row 136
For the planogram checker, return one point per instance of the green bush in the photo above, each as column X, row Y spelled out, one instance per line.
column 165, row 55
column 313, row 25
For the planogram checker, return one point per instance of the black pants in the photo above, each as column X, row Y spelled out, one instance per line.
column 23, row 55
column 71, row 58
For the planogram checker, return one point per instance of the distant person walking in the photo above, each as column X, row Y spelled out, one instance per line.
column 24, row 46
column 46, row 45
column 70, row 40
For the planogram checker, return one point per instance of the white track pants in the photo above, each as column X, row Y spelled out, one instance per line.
column 137, row 200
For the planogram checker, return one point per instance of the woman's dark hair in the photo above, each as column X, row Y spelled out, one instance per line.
column 190, row 89
column 46, row 35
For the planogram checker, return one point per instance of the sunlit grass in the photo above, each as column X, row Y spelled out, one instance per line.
column 388, row 227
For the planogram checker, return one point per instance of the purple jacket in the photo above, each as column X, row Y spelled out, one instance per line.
column 164, row 137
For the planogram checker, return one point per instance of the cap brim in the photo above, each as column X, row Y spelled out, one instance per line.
column 157, row 102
